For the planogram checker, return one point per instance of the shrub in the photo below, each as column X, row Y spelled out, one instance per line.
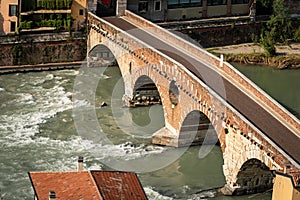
column 267, row 43
column 297, row 35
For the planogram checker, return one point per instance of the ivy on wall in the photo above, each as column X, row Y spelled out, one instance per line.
column 54, row 4
column 59, row 21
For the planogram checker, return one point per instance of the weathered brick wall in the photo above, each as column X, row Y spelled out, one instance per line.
column 239, row 139
column 226, row 68
column 36, row 49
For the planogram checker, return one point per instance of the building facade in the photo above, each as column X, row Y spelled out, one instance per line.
column 42, row 15
column 78, row 13
column 169, row 10
column 8, row 16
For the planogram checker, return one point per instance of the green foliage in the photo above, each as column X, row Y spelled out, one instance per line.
column 26, row 24
column 265, row 3
column 53, row 4
column 280, row 24
column 267, row 43
column 59, row 16
column 255, row 38
column 59, row 21
column 264, row 7
column 232, row 25
column 278, row 28
column 297, row 35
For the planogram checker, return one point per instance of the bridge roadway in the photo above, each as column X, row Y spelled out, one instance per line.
column 254, row 112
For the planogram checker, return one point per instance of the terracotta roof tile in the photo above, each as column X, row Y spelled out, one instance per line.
column 67, row 185
column 119, row 185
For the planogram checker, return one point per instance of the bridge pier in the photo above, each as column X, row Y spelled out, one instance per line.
column 252, row 177
column 165, row 137
column 250, row 155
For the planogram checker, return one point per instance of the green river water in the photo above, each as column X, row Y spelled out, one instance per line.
column 37, row 133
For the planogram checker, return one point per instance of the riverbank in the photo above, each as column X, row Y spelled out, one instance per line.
column 288, row 57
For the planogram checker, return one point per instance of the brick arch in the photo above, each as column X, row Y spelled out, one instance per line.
column 108, row 52
column 250, row 152
column 121, row 58
column 207, row 105
column 145, row 71
column 261, row 178
column 196, row 129
column 101, row 54
column 145, row 91
column 236, row 133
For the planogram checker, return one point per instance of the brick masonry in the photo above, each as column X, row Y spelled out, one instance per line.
column 244, row 147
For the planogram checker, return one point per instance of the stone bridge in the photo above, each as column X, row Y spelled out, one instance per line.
column 205, row 101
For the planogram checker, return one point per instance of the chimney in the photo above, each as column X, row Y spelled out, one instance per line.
column 80, row 163
column 52, row 195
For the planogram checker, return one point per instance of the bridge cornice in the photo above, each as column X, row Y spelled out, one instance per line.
column 226, row 68
column 170, row 69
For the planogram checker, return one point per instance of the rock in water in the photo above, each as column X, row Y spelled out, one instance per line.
column 103, row 104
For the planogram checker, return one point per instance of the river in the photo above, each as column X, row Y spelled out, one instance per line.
column 37, row 133
column 282, row 85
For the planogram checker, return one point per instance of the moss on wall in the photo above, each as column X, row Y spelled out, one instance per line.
column 24, row 53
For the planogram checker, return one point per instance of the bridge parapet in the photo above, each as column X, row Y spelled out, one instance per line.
column 240, row 140
column 228, row 70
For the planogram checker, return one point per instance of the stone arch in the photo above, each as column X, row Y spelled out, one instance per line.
column 145, row 92
column 253, row 177
column 197, row 129
column 101, row 55
column 106, row 54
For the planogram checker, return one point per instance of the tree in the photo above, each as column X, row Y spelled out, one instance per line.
column 278, row 28
column 264, row 7
column 280, row 24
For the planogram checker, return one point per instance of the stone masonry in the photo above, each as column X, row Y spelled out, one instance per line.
column 245, row 148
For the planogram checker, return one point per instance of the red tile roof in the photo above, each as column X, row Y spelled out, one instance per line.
column 119, row 185
column 67, row 185
column 94, row 185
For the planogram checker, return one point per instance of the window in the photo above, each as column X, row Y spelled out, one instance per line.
column 12, row 10
column 184, row 3
column 157, row 5
column 143, row 6
column 81, row 12
column 12, row 26
column 240, row 1
column 216, row 2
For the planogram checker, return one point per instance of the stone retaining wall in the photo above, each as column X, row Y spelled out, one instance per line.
column 41, row 48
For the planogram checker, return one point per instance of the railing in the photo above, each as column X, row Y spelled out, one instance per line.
column 225, row 67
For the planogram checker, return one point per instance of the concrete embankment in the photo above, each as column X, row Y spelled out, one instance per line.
column 40, row 67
